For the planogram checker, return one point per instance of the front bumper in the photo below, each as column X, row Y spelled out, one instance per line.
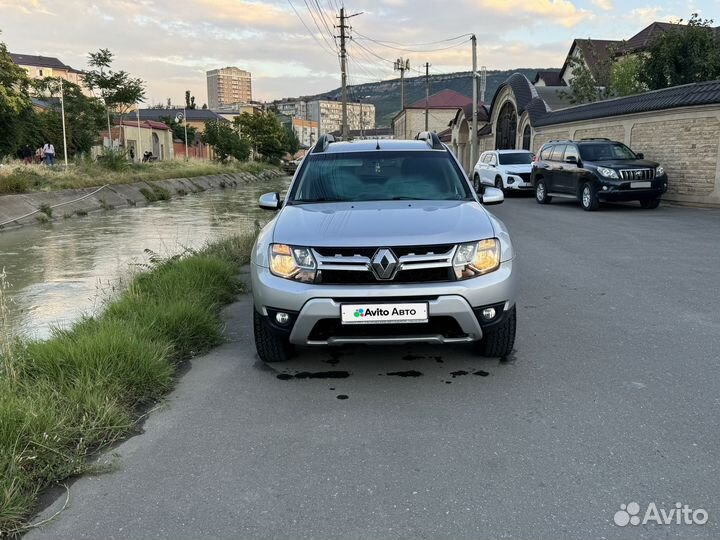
column 621, row 190
column 315, row 309
column 514, row 182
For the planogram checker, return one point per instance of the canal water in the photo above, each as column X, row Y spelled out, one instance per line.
column 59, row 271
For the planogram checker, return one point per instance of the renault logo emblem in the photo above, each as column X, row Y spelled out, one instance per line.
column 384, row 264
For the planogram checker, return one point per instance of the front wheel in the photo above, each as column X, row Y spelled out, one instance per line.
column 499, row 340
column 541, row 195
column 270, row 346
column 650, row 204
column 499, row 184
column 588, row 197
column 476, row 183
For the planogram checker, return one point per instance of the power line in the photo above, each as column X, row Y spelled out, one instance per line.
column 312, row 34
column 322, row 34
column 415, row 44
column 406, row 49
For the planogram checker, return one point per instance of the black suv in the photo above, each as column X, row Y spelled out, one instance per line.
column 594, row 170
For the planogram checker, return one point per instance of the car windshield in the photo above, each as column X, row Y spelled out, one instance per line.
column 380, row 176
column 605, row 151
column 515, row 158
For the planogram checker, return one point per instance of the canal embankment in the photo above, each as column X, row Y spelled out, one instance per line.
column 24, row 209
column 64, row 398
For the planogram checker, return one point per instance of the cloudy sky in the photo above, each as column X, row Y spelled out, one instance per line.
column 171, row 43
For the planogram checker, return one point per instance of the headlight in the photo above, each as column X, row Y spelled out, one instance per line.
column 291, row 262
column 607, row 173
column 659, row 170
column 477, row 258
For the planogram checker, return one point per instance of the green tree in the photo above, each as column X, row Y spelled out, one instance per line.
column 84, row 116
column 265, row 134
column 682, row 55
column 189, row 100
column 292, row 143
column 625, row 76
column 117, row 89
column 15, row 104
column 178, row 129
column 225, row 141
column 584, row 88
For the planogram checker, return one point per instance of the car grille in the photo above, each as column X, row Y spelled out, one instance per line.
column 637, row 174
column 412, row 264
column 525, row 176
column 442, row 325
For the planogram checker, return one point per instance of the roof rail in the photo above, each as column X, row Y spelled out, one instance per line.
column 594, row 139
column 322, row 143
column 431, row 138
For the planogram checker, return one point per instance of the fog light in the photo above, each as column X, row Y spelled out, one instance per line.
column 488, row 313
column 282, row 318
column 605, row 188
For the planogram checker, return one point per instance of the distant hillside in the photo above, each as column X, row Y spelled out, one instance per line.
column 385, row 95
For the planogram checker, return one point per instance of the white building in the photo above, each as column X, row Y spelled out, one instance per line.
column 306, row 131
column 328, row 115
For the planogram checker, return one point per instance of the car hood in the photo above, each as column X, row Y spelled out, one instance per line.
column 517, row 169
column 385, row 223
column 624, row 163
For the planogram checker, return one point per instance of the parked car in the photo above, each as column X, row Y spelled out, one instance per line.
column 291, row 166
column 382, row 242
column 596, row 170
column 504, row 169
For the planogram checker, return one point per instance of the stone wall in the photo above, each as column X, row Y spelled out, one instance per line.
column 12, row 207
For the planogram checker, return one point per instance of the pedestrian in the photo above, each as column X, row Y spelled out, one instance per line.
column 38, row 155
column 132, row 154
column 49, row 154
column 27, row 155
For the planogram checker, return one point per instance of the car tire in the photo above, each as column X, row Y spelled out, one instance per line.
column 499, row 340
column 270, row 346
column 476, row 183
column 650, row 204
column 499, row 184
column 588, row 197
column 541, row 195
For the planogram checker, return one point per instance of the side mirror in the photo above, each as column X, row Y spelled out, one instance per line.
column 640, row 155
column 571, row 159
column 492, row 195
column 270, row 201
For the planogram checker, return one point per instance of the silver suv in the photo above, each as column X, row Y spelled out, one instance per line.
column 382, row 242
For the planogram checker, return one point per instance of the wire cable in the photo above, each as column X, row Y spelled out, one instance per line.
column 312, row 34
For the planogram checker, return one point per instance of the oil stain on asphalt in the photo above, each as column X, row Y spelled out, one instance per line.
column 314, row 375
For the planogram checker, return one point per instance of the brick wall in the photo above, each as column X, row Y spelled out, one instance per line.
column 687, row 148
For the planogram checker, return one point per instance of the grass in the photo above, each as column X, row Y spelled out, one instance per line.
column 64, row 398
column 16, row 177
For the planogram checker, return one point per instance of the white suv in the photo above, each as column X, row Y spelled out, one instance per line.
column 504, row 169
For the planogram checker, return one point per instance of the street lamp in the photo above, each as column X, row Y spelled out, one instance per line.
column 180, row 117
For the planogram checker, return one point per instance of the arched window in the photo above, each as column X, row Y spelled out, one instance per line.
column 506, row 128
column 526, row 137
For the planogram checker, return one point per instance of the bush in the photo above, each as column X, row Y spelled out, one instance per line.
column 82, row 389
column 113, row 160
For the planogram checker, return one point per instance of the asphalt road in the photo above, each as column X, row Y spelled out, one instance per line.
column 612, row 397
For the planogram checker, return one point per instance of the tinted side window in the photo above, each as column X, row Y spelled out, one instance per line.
column 558, row 151
column 545, row 152
column 485, row 158
column 492, row 160
column 570, row 151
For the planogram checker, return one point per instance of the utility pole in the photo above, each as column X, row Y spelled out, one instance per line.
column 427, row 94
column 473, row 136
column 343, row 74
column 62, row 108
column 402, row 65
column 343, row 70
column 483, row 84
column 139, row 139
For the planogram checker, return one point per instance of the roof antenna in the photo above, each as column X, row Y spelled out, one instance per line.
column 377, row 145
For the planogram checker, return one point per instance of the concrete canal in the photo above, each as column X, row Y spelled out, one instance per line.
column 59, row 271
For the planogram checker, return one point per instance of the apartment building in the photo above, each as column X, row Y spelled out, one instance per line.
column 306, row 131
column 328, row 115
column 39, row 67
column 228, row 85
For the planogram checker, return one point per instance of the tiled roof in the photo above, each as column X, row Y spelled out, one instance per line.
column 39, row 61
column 444, row 99
column 147, row 124
column 192, row 115
column 595, row 53
column 686, row 95
column 642, row 39
column 550, row 77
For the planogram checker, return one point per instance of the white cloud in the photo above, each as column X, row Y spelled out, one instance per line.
column 605, row 5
